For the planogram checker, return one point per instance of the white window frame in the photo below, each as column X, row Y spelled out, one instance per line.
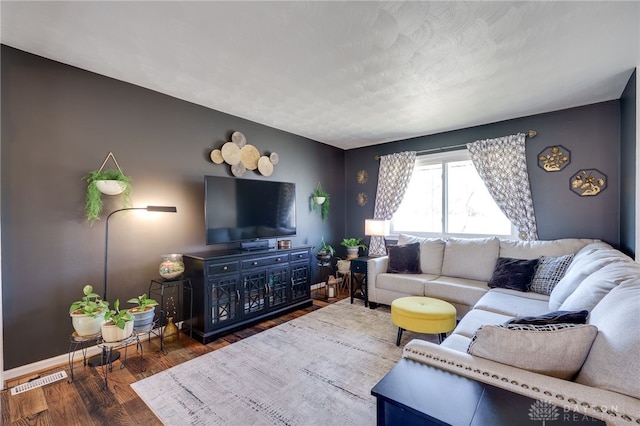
column 443, row 158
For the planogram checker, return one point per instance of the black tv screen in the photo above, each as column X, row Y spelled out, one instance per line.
column 244, row 209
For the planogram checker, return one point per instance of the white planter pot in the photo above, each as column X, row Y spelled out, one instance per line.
column 110, row 187
column 344, row 266
column 319, row 200
column 84, row 325
column 112, row 333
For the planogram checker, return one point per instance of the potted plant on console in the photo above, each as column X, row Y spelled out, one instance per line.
column 87, row 314
column 118, row 324
column 353, row 245
column 144, row 313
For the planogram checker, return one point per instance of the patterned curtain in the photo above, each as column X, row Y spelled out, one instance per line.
column 502, row 165
column 393, row 178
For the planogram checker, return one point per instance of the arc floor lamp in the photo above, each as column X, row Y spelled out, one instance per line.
column 98, row 360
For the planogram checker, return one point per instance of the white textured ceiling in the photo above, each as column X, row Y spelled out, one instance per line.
column 348, row 74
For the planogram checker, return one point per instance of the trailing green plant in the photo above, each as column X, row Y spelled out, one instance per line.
column 93, row 204
column 91, row 304
column 325, row 248
column 117, row 317
column 324, row 207
column 143, row 303
column 353, row 242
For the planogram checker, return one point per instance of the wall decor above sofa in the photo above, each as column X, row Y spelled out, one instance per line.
column 588, row 182
column 554, row 158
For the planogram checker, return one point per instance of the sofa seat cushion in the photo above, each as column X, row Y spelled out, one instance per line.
column 410, row 284
column 535, row 249
column 475, row 319
column 431, row 252
column 585, row 262
column 472, row 258
column 514, row 303
column 457, row 342
column 456, row 290
column 614, row 360
column 599, row 284
column 539, row 348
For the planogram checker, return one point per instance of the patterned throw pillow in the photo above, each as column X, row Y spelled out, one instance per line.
column 549, row 271
column 404, row 259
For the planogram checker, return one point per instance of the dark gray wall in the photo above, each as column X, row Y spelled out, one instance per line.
column 59, row 123
column 591, row 133
column 628, row 167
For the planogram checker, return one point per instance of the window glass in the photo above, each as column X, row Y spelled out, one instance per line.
column 446, row 197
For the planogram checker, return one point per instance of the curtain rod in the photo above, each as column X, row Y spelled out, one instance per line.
column 530, row 134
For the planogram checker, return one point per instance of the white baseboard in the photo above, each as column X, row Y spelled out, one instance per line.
column 59, row 361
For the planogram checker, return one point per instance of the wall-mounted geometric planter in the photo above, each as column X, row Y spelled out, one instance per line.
column 588, row 182
column 554, row 158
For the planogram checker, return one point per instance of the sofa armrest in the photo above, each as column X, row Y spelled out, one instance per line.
column 375, row 266
column 611, row 407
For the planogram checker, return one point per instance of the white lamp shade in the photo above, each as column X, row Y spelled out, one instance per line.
column 376, row 228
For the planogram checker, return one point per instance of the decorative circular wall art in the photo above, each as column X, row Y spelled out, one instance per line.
column 554, row 158
column 588, row 182
column 362, row 198
column 242, row 156
column 362, row 176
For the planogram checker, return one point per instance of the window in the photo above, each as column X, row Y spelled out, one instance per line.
column 446, row 197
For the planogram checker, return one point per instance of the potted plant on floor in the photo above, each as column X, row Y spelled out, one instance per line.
column 144, row 313
column 87, row 314
column 320, row 200
column 109, row 182
column 118, row 324
column 353, row 245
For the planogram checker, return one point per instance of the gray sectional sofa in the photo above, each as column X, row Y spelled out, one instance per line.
column 591, row 368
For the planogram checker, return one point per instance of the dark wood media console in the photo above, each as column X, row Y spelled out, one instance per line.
column 233, row 289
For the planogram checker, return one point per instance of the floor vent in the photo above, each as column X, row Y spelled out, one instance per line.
column 38, row 382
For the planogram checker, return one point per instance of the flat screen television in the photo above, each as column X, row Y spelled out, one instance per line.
column 239, row 210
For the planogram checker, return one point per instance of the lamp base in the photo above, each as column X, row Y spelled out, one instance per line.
column 101, row 358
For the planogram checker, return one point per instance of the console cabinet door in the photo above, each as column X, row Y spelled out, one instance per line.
column 299, row 272
column 224, row 295
column 278, row 284
column 254, row 292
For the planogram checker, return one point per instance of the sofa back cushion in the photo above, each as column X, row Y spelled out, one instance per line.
column 534, row 249
column 431, row 252
column 613, row 362
column 472, row 258
column 601, row 282
column 585, row 262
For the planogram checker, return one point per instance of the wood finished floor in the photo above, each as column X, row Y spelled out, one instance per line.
column 85, row 401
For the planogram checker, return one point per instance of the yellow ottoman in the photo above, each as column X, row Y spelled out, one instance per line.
column 423, row 315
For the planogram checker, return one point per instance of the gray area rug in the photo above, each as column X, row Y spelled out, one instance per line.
column 314, row 370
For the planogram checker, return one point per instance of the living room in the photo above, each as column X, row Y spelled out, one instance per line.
column 59, row 123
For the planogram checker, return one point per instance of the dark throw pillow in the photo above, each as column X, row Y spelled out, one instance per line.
column 404, row 259
column 557, row 317
column 514, row 274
